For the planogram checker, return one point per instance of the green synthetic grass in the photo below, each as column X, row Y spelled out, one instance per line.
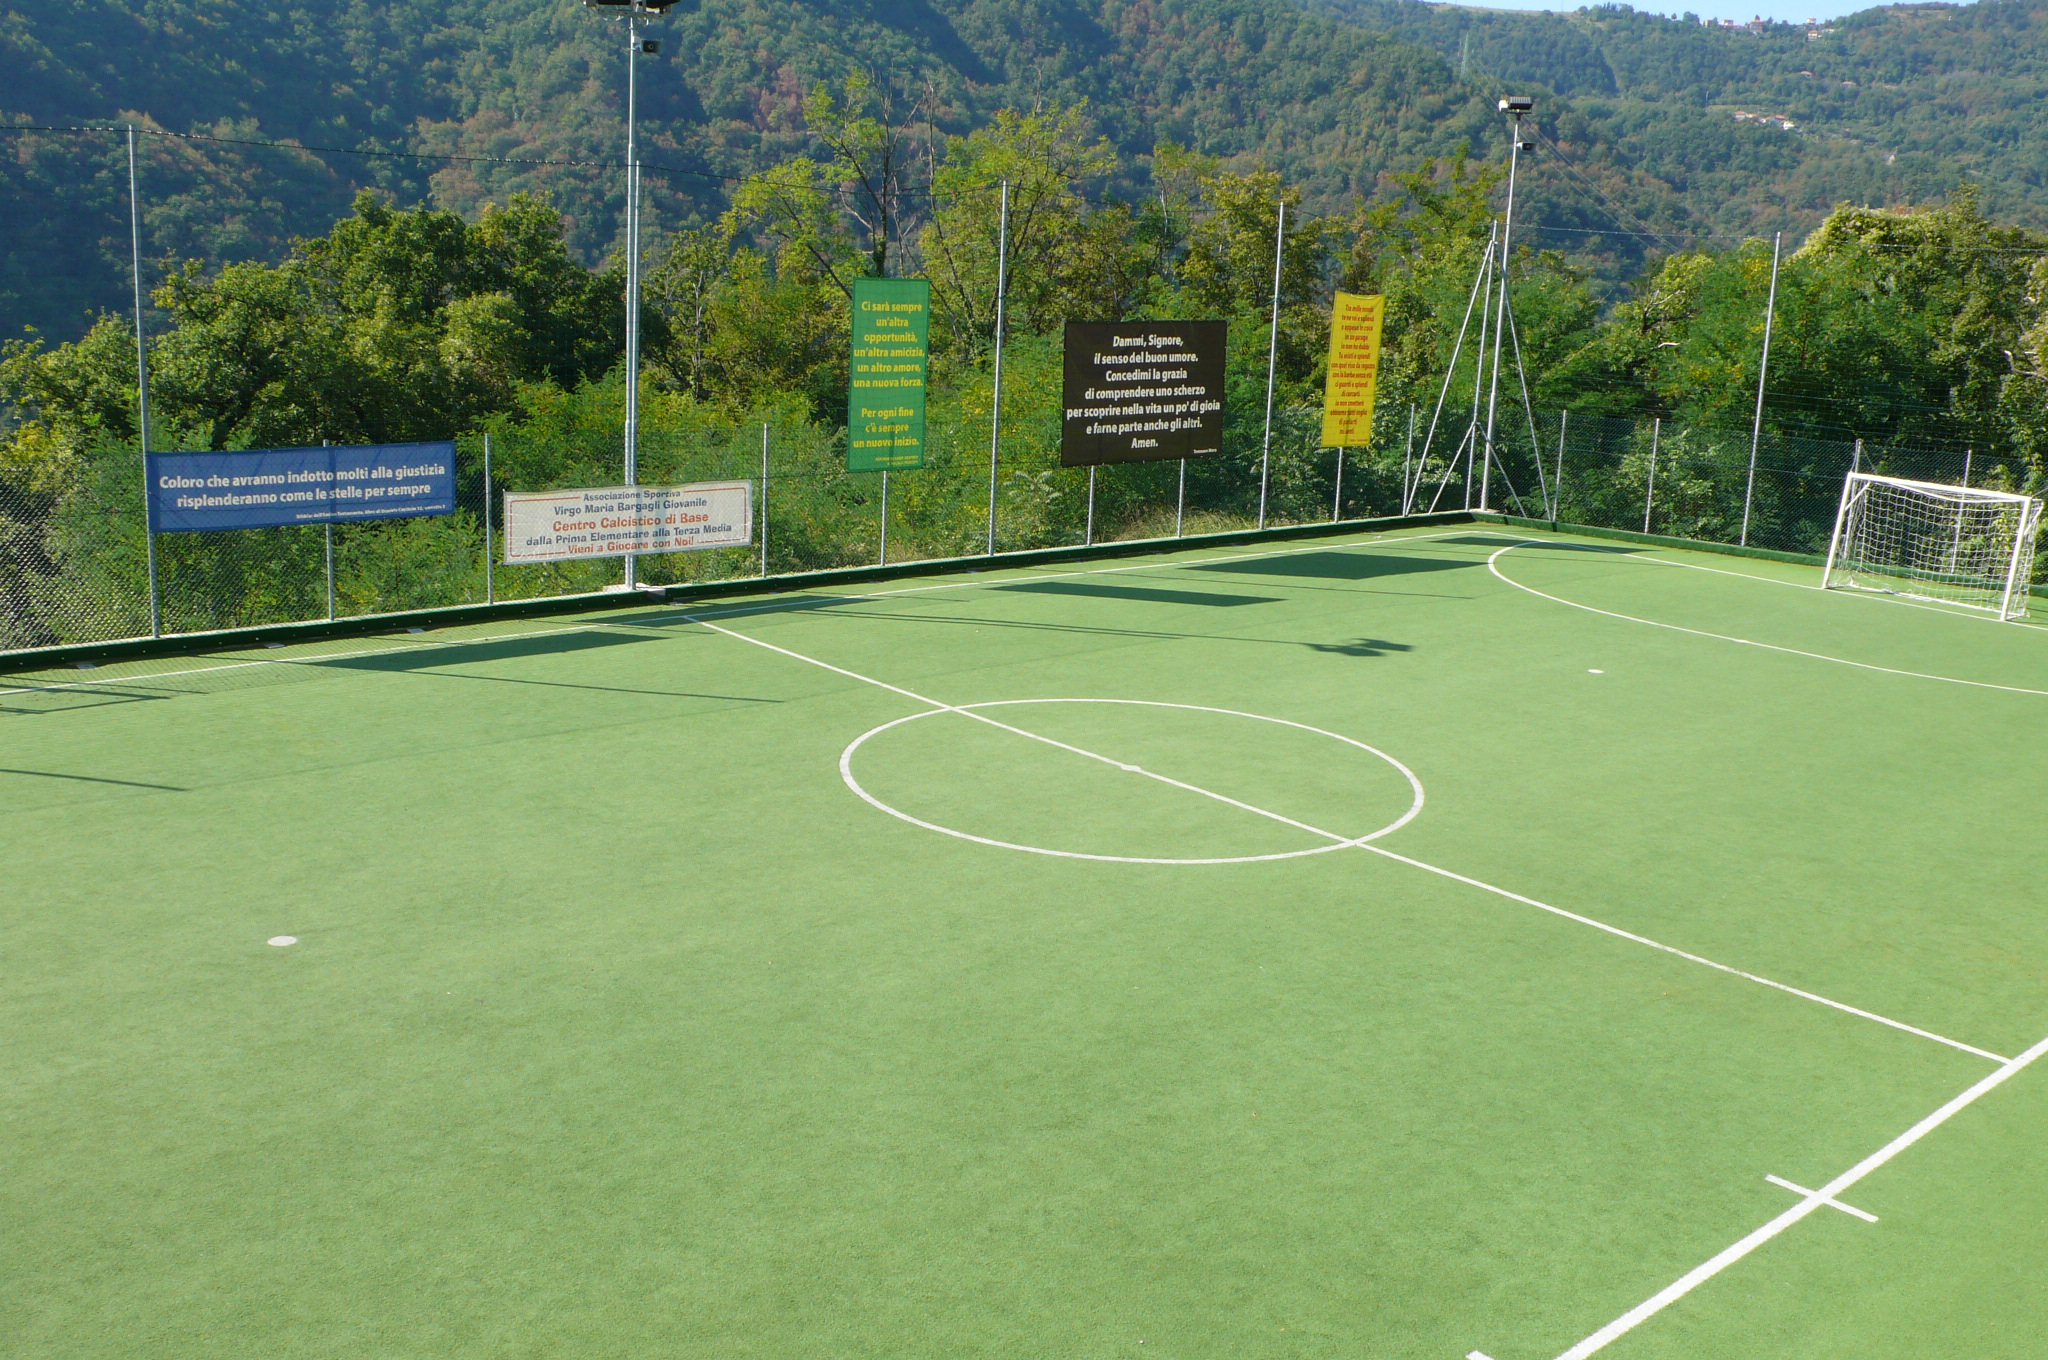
column 619, row 1026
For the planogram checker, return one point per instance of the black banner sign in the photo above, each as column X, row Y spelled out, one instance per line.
column 1143, row 390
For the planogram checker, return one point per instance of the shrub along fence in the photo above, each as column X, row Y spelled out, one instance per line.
column 74, row 551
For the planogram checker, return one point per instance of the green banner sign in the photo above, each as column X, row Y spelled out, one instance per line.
column 885, row 397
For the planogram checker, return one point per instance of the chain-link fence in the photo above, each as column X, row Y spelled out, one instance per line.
column 74, row 554
column 74, row 550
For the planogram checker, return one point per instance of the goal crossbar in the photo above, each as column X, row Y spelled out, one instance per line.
column 1959, row 545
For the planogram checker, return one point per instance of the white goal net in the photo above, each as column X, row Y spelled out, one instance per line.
column 1955, row 544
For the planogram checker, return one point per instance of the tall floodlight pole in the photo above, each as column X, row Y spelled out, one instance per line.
column 995, row 418
column 1514, row 106
column 1272, row 357
column 1763, row 368
column 156, row 617
column 637, row 14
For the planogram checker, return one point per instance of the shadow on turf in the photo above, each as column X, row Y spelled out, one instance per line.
column 1359, row 647
column 1503, row 540
column 466, row 653
column 1338, row 566
column 1148, row 593
column 429, row 660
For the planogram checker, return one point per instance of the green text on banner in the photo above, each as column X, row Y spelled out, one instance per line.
column 885, row 397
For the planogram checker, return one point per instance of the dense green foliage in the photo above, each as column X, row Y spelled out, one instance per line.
column 1903, row 328
column 468, row 101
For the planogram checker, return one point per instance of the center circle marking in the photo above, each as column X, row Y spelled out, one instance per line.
column 846, row 773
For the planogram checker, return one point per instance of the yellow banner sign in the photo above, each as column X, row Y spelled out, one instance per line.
column 1354, row 370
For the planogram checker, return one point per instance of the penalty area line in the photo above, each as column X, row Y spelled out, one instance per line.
column 1826, row 1195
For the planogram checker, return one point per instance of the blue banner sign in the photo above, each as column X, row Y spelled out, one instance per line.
column 267, row 488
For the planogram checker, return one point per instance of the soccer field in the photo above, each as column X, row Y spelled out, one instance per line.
column 1422, row 944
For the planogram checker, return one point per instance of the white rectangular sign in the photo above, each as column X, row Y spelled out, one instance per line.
column 617, row 521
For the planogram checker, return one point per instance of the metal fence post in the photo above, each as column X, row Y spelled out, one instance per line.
column 883, row 559
column 1763, row 369
column 764, row 498
column 1650, row 491
column 1272, row 357
column 156, row 617
column 1088, row 534
column 1337, row 497
column 1407, row 458
column 1180, row 504
column 995, row 418
column 1557, row 482
column 490, row 584
column 328, row 535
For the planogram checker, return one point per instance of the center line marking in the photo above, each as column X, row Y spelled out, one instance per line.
column 1815, row 1194
column 1332, row 836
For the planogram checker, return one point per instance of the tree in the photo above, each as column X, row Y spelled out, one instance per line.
column 1045, row 157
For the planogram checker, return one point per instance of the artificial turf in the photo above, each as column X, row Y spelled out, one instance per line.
column 618, row 1025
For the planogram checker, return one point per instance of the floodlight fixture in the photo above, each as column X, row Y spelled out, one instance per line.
column 651, row 6
column 1517, row 103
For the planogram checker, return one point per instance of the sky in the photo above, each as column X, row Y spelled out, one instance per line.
column 1742, row 11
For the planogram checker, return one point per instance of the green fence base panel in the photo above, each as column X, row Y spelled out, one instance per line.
column 238, row 639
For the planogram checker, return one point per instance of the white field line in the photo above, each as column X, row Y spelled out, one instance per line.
column 1951, row 611
column 1849, row 1209
column 1631, row 936
column 1492, row 565
column 595, row 625
column 1378, row 850
column 1708, row 1269
column 943, row 707
column 1414, row 808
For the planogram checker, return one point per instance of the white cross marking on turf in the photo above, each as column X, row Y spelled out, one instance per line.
column 1828, row 1200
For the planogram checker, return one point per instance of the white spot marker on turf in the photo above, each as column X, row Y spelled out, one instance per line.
column 1594, row 672
column 1477, row 1355
column 1815, row 1194
column 282, row 940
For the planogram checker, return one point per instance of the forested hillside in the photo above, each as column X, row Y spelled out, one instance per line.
column 1890, row 104
column 467, row 101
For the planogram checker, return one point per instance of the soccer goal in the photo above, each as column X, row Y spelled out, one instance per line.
column 1955, row 544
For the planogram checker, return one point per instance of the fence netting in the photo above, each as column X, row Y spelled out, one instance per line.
column 74, row 551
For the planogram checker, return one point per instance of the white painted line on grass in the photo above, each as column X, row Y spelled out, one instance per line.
column 1689, row 957
column 1336, row 842
column 1952, row 611
column 1376, row 849
column 1708, row 1269
column 1815, row 1194
column 1492, row 565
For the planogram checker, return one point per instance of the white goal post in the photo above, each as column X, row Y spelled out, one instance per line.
column 1953, row 544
